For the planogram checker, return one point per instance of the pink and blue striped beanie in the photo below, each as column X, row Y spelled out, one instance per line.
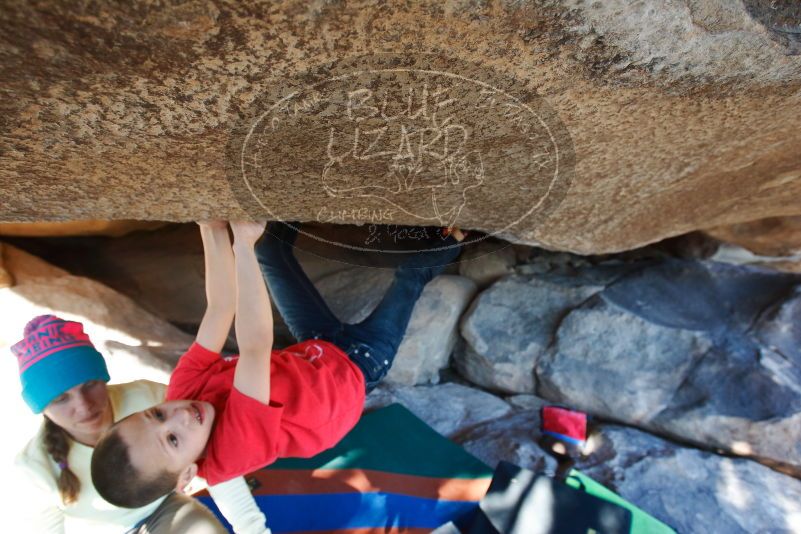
column 54, row 356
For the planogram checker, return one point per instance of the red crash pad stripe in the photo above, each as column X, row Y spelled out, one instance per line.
column 320, row 481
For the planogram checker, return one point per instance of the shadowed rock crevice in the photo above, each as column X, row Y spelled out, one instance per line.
column 782, row 18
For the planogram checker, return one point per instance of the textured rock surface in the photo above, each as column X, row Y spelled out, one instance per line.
column 448, row 408
column 737, row 255
column 432, row 332
column 596, row 352
column 774, row 236
column 487, row 261
column 780, row 328
column 512, row 438
column 691, row 490
column 729, row 395
column 354, row 292
column 700, row 351
column 509, row 326
column 667, row 116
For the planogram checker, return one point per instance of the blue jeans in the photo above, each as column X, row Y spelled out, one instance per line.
column 370, row 344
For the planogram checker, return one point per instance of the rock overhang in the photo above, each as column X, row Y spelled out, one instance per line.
column 661, row 118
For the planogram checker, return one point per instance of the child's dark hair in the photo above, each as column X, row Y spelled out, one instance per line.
column 118, row 481
column 58, row 443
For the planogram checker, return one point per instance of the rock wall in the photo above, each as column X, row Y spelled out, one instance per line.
column 582, row 126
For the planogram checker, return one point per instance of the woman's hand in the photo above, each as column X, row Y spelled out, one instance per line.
column 247, row 232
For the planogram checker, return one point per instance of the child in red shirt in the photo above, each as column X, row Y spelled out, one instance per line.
column 225, row 417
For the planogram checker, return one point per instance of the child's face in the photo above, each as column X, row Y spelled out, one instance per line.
column 169, row 436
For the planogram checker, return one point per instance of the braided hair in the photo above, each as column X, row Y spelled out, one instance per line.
column 58, row 443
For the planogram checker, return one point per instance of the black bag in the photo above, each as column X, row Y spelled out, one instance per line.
column 522, row 502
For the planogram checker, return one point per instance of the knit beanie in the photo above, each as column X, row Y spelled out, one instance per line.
column 54, row 356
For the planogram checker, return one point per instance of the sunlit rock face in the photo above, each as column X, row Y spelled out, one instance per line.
column 582, row 126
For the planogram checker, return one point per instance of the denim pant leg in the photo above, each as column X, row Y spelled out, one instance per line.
column 298, row 301
column 383, row 330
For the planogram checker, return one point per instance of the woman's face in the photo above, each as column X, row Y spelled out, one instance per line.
column 83, row 411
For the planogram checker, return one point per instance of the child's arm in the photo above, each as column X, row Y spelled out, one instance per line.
column 238, row 506
column 220, row 285
column 254, row 316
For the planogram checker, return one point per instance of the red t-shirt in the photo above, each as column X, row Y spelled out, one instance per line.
column 316, row 397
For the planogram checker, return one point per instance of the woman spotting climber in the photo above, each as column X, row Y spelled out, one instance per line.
column 64, row 377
